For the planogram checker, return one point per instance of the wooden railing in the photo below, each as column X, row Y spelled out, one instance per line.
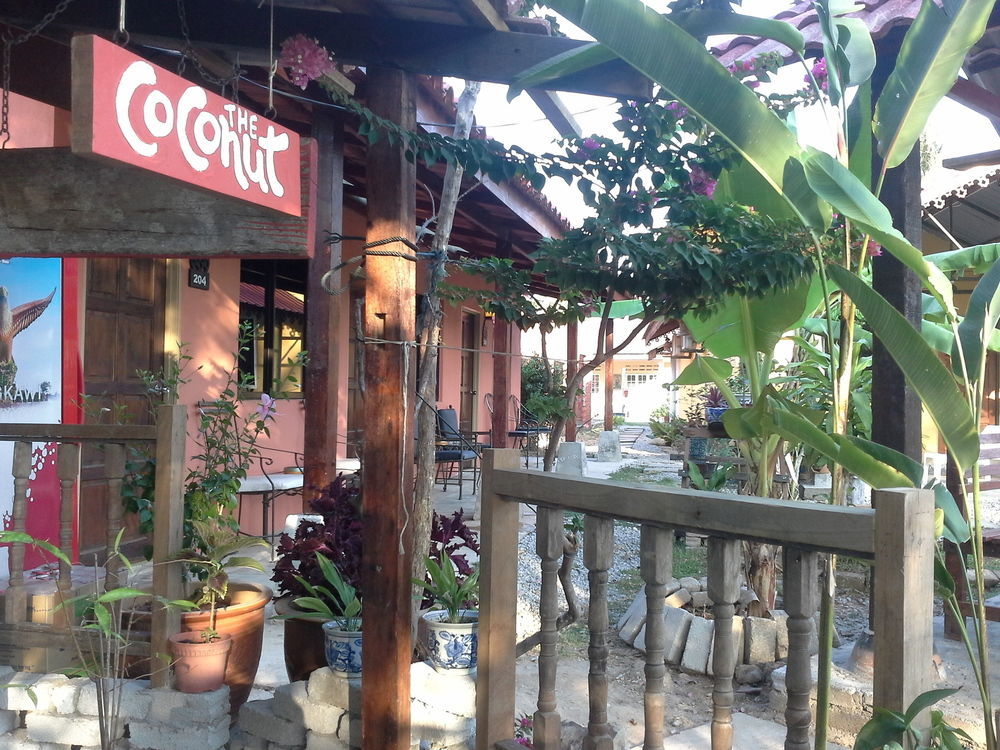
column 169, row 436
column 899, row 537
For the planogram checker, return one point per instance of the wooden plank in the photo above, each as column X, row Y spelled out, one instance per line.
column 168, row 522
column 54, row 203
column 825, row 528
column 497, row 606
column 324, row 311
column 388, row 446
column 904, row 596
column 57, row 433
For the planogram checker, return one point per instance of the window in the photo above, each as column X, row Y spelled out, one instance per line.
column 272, row 304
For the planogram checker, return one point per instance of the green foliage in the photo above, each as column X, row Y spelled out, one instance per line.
column 889, row 729
column 447, row 590
column 715, row 482
column 670, row 430
column 335, row 600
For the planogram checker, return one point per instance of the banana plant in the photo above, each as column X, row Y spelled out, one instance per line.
column 810, row 185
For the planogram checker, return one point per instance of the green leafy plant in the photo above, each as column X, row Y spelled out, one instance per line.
column 715, row 482
column 335, row 599
column 890, row 729
column 449, row 591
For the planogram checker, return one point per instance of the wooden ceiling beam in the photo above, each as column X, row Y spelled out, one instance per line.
column 976, row 98
column 478, row 54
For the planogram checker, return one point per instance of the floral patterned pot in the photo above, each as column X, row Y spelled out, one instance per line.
column 714, row 413
column 343, row 649
column 453, row 646
column 697, row 447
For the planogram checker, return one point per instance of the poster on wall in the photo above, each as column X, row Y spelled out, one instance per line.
column 31, row 344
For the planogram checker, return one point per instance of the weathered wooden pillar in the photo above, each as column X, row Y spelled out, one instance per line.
column 598, row 550
column 502, row 362
column 724, row 559
column 656, row 563
column 387, row 500
column 609, row 380
column 549, row 539
column 321, row 379
column 572, row 365
column 800, row 596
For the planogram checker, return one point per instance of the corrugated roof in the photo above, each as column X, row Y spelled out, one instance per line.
column 253, row 295
column 881, row 16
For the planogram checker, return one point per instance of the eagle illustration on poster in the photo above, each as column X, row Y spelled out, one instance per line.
column 31, row 386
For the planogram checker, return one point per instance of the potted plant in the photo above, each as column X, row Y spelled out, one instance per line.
column 453, row 630
column 715, row 404
column 202, row 651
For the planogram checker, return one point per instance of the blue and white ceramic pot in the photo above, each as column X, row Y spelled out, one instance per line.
column 343, row 649
column 714, row 413
column 453, row 646
column 697, row 447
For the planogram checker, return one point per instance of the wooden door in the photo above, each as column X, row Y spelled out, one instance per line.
column 470, row 372
column 124, row 334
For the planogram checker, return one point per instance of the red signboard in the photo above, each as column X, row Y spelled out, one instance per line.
column 127, row 109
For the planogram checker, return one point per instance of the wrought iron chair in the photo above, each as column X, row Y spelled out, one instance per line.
column 453, row 450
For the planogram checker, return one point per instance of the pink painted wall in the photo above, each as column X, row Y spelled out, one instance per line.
column 36, row 125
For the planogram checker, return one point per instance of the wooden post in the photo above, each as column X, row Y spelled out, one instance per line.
column 904, row 596
column 549, row 538
column 114, row 472
column 598, row 549
column 497, row 606
column 68, row 470
column 572, row 365
column 321, row 379
column 656, row 562
column 16, row 600
column 609, row 379
column 502, row 362
column 387, row 502
column 168, row 526
column 724, row 560
column 800, row 597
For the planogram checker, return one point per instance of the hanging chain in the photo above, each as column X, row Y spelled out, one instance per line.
column 272, row 68
column 9, row 42
column 188, row 53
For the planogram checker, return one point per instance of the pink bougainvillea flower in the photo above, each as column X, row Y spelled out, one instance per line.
column 874, row 249
column 701, row 182
column 305, row 58
column 267, row 408
column 820, row 74
column 679, row 110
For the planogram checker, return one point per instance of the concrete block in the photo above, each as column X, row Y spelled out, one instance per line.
column 698, row 646
column 760, row 640
column 638, row 605
column 258, row 718
column 748, row 674
column 703, row 582
column 173, row 707
column 609, row 447
column 16, row 694
column 700, row 600
column 18, row 740
column 315, row 741
column 349, row 731
column 291, row 701
column 65, row 730
column 439, row 728
column 455, row 694
column 677, row 623
column 634, row 625
column 323, row 719
column 135, row 696
column 678, row 599
column 57, row 694
column 737, row 644
column 8, row 721
column 179, row 737
column 780, row 618
column 326, row 687
column 240, row 740
column 572, row 459
column 690, row 583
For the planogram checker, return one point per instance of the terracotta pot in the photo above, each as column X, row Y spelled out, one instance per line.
column 304, row 645
column 199, row 666
column 243, row 619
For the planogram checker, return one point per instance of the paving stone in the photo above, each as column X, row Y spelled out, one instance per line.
column 240, row 740
column 66, row 730
column 698, row 646
column 180, row 737
column 737, row 644
column 748, row 674
column 258, row 718
column 455, row 694
column 690, row 583
column 700, row 600
column 760, row 640
column 634, row 617
column 679, row 598
column 326, row 687
column 780, row 618
column 609, row 446
column 677, row 623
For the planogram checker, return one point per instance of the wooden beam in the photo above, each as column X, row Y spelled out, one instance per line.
column 388, row 446
column 473, row 53
column 324, row 311
column 976, row 98
column 968, row 161
column 54, row 203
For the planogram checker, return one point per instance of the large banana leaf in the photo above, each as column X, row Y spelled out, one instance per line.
column 978, row 258
column 859, row 134
column 921, row 366
column 664, row 52
column 927, row 65
column 704, row 370
column 979, row 324
column 563, row 64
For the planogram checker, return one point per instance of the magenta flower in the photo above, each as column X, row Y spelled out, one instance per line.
column 701, row 182
column 679, row 110
column 524, row 741
column 874, row 249
column 590, row 144
column 267, row 408
column 820, row 74
column 305, row 59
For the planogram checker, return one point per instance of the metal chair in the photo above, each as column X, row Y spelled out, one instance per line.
column 453, row 449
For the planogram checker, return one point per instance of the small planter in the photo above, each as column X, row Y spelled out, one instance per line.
column 697, row 447
column 714, row 413
column 199, row 666
column 343, row 649
column 453, row 646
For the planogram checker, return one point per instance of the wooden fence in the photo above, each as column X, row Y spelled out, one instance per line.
column 898, row 537
column 169, row 437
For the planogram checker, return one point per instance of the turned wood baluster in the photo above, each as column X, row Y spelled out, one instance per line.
column 15, row 600
column 598, row 547
column 114, row 472
column 800, row 597
column 67, row 469
column 656, row 564
column 549, row 536
column 724, row 558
